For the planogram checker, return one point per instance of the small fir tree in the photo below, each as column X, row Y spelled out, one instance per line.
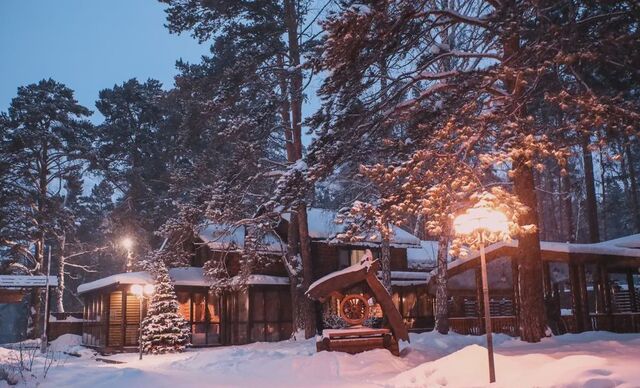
column 164, row 330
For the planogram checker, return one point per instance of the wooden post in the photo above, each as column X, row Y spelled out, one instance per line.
column 584, row 305
column 487, row 312
column 479, row 296
column 632, row 292
column 546, row 279
column 606, row 289
column 599, row 289
column 576, row 305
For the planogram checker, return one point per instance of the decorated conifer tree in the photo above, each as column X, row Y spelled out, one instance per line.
column 164, row 330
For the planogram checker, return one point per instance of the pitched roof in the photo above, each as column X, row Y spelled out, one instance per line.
column 323, row 226
column 221, row 237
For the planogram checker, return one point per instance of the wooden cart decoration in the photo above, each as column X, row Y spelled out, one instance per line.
column 354, row 309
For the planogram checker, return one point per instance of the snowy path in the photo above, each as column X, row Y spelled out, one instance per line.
column 590, row 359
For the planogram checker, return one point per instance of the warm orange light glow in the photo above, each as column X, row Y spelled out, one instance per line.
column 481, row 218
column 137, row 290
column 149, row 289
column 127, row 243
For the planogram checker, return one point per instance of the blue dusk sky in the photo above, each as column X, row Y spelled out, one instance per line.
column 89, row 45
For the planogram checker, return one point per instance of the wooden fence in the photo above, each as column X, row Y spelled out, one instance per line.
column 475, row 326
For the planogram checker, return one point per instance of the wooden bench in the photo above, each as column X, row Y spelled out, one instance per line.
column 357, row 340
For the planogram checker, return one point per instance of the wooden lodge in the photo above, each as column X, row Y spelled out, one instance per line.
column 263, row 312
column 587, row 287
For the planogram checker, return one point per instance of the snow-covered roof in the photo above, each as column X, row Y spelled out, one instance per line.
column 628, row 246
column 232, row 238
column 323, row 226
column 425, row 257
column 183, row 276
column 353, row 268
column 407, row 278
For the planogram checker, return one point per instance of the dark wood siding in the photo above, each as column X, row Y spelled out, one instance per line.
column 325, row 258
column 399, row 259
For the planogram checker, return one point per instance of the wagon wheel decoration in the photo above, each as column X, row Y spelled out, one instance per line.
column 354, row 309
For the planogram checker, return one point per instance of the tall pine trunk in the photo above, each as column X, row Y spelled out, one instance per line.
column 37, row 295
column 291, row 21
column 442, row 293
column 530, row 289
column 531, row 312
column 590, row 188
column 567, row 208
column 61, row 274
column 385, row 259
column 633, row 180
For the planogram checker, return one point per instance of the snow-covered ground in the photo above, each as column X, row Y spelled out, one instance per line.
column 595, row 359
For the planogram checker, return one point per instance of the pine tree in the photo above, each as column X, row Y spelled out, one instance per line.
column 270, row 40
column 164, row 330
column 133, row 151
column 45, row 140
column 512, row 69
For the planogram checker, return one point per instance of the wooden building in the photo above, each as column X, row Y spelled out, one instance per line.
column 112, row 314
column 586, row 286
column 264, row 311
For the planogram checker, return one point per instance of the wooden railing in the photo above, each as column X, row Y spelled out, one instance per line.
column 618, row 322
column 475, row 326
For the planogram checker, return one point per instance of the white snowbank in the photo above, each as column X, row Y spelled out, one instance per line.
column 65, row 342
column 594, row 359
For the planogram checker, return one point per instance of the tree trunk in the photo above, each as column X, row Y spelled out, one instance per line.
column 385, row 259
column 294, row 270
column 590, row 188
column 603, row 177
column 531, row 303
column 61, row 273
column 442, row 293
column 295, row 91
column 43, row 177
column 307, row 271
column 567, row 207
column 633, row 180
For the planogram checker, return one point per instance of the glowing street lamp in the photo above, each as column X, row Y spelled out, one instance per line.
column 141, row 292
column 128, row 243
column 478, row 225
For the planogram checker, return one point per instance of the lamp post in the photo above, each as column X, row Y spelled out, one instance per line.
column 141, row 292
column 478, row 225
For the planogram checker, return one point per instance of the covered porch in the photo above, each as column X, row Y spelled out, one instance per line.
column 586, row 287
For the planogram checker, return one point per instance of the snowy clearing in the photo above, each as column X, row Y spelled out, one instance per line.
column 594, row 359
